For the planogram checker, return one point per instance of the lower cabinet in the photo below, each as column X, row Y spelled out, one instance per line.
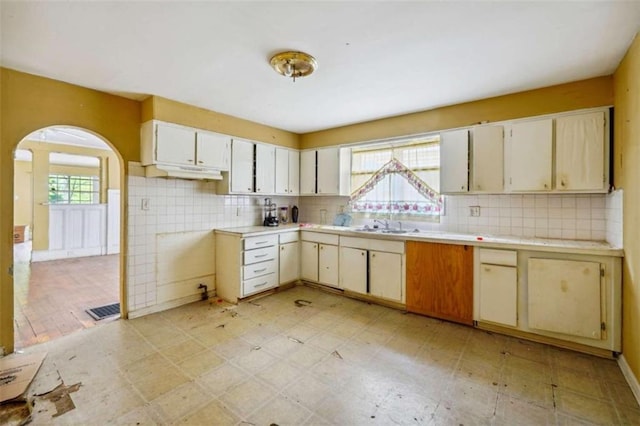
column 440, row 281
column 498, row 286
column 319, row 258
column 289, row 267
column 372, row 267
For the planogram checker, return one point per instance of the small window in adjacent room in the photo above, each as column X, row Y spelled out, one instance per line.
column 399, row 179
column 66, row 189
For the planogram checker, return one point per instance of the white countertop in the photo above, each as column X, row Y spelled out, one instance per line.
column 599, row 248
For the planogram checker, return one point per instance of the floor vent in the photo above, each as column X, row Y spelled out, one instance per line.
column 102, row 312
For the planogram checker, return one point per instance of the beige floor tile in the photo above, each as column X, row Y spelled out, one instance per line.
column 180, row 350
column 327, row 341
column 141, row 416
column 247, row 397
column 280, row 373
column 581, row 382
column 233, row 348
column 347, row 409
column 622, row 395
column 223, row 378
column 585, row 408
column 306, row 356
column 629, row 416
column 255, row 361
column 214, row 413
column 531, row 351
column 200, row 363
column 308, row 391
column 406, row 408
column 151, row 387
column 474, row 397
column 281, row 411
column 526, row 389
column 180, row 401
column 514, row 412
column 448, row 416
column 283, row 345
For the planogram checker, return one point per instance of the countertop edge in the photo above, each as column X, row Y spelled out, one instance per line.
column 471, row 240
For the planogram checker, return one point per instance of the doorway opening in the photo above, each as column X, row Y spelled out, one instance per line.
column 66, row 233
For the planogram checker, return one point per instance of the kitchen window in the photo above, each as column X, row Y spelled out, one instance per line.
column 68, row 189
column 397, row 180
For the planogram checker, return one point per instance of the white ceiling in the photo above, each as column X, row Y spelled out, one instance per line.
column 376, row 59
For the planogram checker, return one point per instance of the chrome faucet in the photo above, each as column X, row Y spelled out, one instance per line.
column 382, row 222
column 400, row 225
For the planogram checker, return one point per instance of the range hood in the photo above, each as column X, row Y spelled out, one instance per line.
column 183, row 172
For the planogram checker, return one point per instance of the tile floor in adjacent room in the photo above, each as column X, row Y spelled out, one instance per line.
column 336, row 361
column 51, row 297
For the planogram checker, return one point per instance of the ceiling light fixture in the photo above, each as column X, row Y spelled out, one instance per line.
column 293, row 64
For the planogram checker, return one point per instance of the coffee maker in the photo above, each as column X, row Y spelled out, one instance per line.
column 270, row 213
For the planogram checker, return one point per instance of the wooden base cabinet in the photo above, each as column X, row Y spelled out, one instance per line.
column 440, row 281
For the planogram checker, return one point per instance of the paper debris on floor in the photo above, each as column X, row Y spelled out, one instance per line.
column 16, row 373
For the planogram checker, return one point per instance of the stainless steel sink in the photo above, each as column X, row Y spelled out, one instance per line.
column 393, row 231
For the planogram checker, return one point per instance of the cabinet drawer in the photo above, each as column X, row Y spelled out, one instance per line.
column 260, row 255
column 289, row 237
column 318, row 237
column 255, row 285
column 259, row 242
column 258, row 269
column 499, row 257
column 373, row 244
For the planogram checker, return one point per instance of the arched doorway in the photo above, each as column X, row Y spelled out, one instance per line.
column 68, row 220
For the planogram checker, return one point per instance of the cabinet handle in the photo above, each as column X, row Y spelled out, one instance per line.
column 260, row 285
column 200, row 162
column 259, row 270
column 260, row 255
column 261, row 242
column 191, row 161
column 321, row 247
column 487, row 269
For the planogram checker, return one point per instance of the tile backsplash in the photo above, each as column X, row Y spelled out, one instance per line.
column 594, row 217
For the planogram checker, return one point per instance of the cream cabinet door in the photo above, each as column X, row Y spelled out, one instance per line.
column 499, row 294
column 282, row 171
column 241, row 166
column 328, row 175
column 294, row 172
column 307, row 172
column 385, row 275
column 487, row 153
column 309, row 261
column 353, row 269
column 454, row 161
column 212, row 150
column 530, row 156
column 265, row 169
column 564, row 296
column 289, row 262
column 175, row 144
column 328, row 265
column 580, row 152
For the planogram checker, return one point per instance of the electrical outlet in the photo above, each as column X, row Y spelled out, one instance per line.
column 474, row 211
column 145, row 204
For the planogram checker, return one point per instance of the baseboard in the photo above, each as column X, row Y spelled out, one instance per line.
column 631, row 378
column 45, row 255
column 167, row 305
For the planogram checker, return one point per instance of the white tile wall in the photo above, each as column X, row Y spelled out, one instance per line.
column 177, row 205
column 594, row 217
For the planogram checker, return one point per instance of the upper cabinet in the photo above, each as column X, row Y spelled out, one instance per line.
column 287, row 173
column 241, row 175
column 325, row 171
column 530, row 156
column 265, row 169
column 487, row 147
column 566, row 152
column 454, row 161
column 580, row 152
column 169, row 149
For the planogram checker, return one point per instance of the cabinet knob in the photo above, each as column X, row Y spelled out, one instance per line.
column 362, row 254
column 249, row 189
column 546, row 186
column 282, row 248
column 200, row 162
column 462, row 187
column 373, row 255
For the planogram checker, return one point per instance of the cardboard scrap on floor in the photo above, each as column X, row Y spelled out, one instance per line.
column 16, row 373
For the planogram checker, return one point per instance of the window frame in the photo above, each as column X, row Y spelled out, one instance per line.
column 73, row 196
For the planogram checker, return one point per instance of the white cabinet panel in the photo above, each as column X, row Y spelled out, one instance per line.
column 487, row 155
column 241, row 166
column 265, row 169
column 307, row 172
column 212, row 150
column 564, row 296
column 499, row 294
column 328, row 265
column 530, row 155
column 385, row 275
column 454, row 161
column 309, row 263
column 353, row 273
column 580, row 152
column 175, row 144
column 294, row 172
column 289, row 262
column 282, row 171
column 328, row 171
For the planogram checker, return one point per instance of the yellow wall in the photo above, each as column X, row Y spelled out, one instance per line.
column 626, row 160
column 163, row 109
column 22, row 204
column 590, row 93
column 29, row 103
